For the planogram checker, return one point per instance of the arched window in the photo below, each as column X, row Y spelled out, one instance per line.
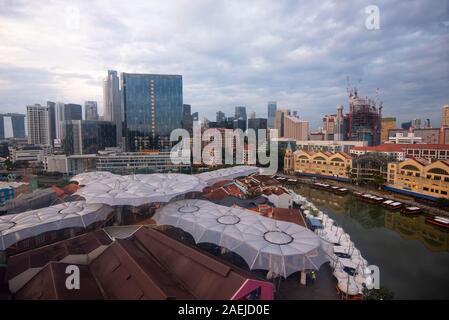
column 438, row 171
column 410, row 167
column 336, row 159
column 319, row 158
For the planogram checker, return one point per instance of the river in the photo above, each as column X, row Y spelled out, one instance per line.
column 413, row 256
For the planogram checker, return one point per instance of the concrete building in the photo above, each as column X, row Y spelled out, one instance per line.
column 328, row 165
column 31, row 154
column 296, row 128
column 18, row 125
column 71, row 165
column 329, row 126
column 445, row 116
column 329, row 146
column 419, row 178
column 38, row 123
column 386, row 125
column 400, row 152
column 279, row 120
column 401, row 138
column 425, row 135
column 140, row 162
column 90, row 110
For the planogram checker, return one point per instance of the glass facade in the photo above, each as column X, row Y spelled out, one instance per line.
column 88, row 137
column 153, row 107
column 272, row 107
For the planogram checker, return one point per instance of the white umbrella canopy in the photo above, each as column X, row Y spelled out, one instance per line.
column 264, row 243
column 212, row 177
column 140, row 189
column 17, row 227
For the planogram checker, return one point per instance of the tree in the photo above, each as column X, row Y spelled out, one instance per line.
column 378, row 294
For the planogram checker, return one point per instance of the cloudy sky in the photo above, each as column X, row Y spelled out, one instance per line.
column 298, row 53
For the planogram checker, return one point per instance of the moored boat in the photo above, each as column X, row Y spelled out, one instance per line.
column 395, row 205
column 411, row 210
column 439, row 221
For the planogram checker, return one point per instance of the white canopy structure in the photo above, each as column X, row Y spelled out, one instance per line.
column 212, row 177
column 140, row 189
column 93, row 177
column 264, row 243
column 17, row 227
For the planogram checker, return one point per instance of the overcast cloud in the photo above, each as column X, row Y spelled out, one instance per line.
column 230, row 53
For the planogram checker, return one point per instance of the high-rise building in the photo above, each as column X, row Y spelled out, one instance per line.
column 296, row 128
column 406, row 125
column 386, row 125
column 73, row 111
column 38, row 123
column 90, row 110
column 257, row 124
column 445, row 116
column 427, row 124
column 416, row 123
column 272, row 107
column 195, row 116
column 187, row 121
column 18, row 125
column 152, row 109
column 88, row 136
column 364, row 119
column 329, row 122
column 59, row 115
column 252, row 115
column 240, row 113
column 112, row 103
column 220, row 116
column 279, row 120
column 339, row 125
column 52, row 110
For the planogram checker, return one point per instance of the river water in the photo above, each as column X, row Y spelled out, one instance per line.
column 413, row 256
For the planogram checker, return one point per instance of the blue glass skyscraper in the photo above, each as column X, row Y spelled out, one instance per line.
column 152, row 108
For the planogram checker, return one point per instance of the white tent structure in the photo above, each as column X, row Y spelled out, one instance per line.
column 264, row 243
column 212, row 177
column 17, row 227
column 94, row 176
column 140, row 189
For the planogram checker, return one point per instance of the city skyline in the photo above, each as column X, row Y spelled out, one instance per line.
column 301, row 58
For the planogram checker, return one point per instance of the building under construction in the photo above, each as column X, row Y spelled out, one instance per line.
column 363, row 122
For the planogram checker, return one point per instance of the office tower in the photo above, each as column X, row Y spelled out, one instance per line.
column 272, row 107
column 38, row 123
column 18, row 125
column 220, row 116
column 329, row 126
column 257, row 123
column 73, row 111
column 416, row 124
column 187, row 121
column 90, row 110
column 445, row 117
column 152, row 109
column 279, row 120
column 406, row 125
column 427, row 124
column 112, row 103
column 195, row 116
column 252, row 115
column 386, row 125
column 240, row 113
column 52, row 111
column 339, row 125
column 295, row 128
column 88, row 136
column 240, row 124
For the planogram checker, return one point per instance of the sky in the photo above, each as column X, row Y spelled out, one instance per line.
column 302, row 54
